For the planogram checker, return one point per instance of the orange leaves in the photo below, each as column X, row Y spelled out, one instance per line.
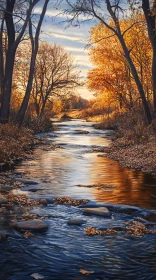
column 111, row 77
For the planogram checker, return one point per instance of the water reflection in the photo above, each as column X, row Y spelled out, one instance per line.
column 75, row 163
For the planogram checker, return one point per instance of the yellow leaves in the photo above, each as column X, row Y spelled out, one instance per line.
column 95, row 231
column 138, row 229
column 69, row 201
column 22, row 200
column 111, row 73
column 28, row 234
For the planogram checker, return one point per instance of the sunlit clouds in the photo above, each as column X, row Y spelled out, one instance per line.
column 74, row 39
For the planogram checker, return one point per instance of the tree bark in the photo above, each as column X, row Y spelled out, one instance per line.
column 136, row 78
column 150, row 17
column 1, row 61
column 34, row 42
column 10, row 55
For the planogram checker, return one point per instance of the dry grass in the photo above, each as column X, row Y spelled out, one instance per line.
column 14, row 142
column 135, row 141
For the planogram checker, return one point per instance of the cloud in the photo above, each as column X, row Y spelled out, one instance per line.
column 73, row 38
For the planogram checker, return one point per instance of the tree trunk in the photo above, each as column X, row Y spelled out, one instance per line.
column 7, row 88
column 1, row 61
column 136, row 78
column 43, row 108
column 150, row 17
column 34, row 42
column 154, row 79
column 7, row 85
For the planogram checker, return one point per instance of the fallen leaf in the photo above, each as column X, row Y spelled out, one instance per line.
column 86, row 272
column 37, row 276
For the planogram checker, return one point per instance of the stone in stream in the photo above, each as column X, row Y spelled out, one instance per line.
column 35, row 225
column 3, row 236
column 79, row 131
column 43, row 201
column 31, row 188
column 6, row 188
column 3, row 200
column 101, row 211
column 76, row 222
column 26, row 181
column 151, row 217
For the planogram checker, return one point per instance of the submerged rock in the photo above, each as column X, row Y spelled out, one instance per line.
column 76, row 222
column 43, row 201
column 79, row 131
column 101, row 211
column 3, row 200
column 36, row 225
column 31, row 188
column 6, row 188
column 26, row 181
column 3, row 236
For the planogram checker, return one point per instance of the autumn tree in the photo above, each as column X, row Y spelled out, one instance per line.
column 103, row 12
column 112, row 74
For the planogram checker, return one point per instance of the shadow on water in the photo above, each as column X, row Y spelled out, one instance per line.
column 63, row 250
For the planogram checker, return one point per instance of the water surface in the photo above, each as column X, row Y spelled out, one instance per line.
column 64, row 250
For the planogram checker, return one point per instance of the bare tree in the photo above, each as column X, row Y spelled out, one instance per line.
column 109, row 14
column 55, row 75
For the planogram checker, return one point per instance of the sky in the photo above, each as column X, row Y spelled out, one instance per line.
column 73, row 39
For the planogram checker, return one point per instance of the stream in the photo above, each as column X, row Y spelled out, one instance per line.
column 76, row 169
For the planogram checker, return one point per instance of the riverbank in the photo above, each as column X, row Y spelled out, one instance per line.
column 16, row 143
column 133, row 148
column 138, row 156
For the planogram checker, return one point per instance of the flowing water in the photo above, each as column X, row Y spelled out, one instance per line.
column 72, row 170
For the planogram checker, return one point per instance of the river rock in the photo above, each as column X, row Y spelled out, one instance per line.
column 76, row 222
column 26, row 181
column 43, row 201
column 6, row 188
column 79, row 131
column 3, row 200
column 101, row 211
column 31, row 188
column 3, row 236
column 151, row 217
column 36, row 225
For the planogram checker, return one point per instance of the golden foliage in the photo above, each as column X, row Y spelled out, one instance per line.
column 111, row 78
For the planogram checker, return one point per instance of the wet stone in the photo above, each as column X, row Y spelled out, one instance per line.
column 31, row 188
column 43, row 201
column 76, row 222
column 101, row 211
column 26, row 181
column 35, row 225
column 78, row 131
column 151, row 217
column 3, row 200
column 6, row 188
column 3, row 236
